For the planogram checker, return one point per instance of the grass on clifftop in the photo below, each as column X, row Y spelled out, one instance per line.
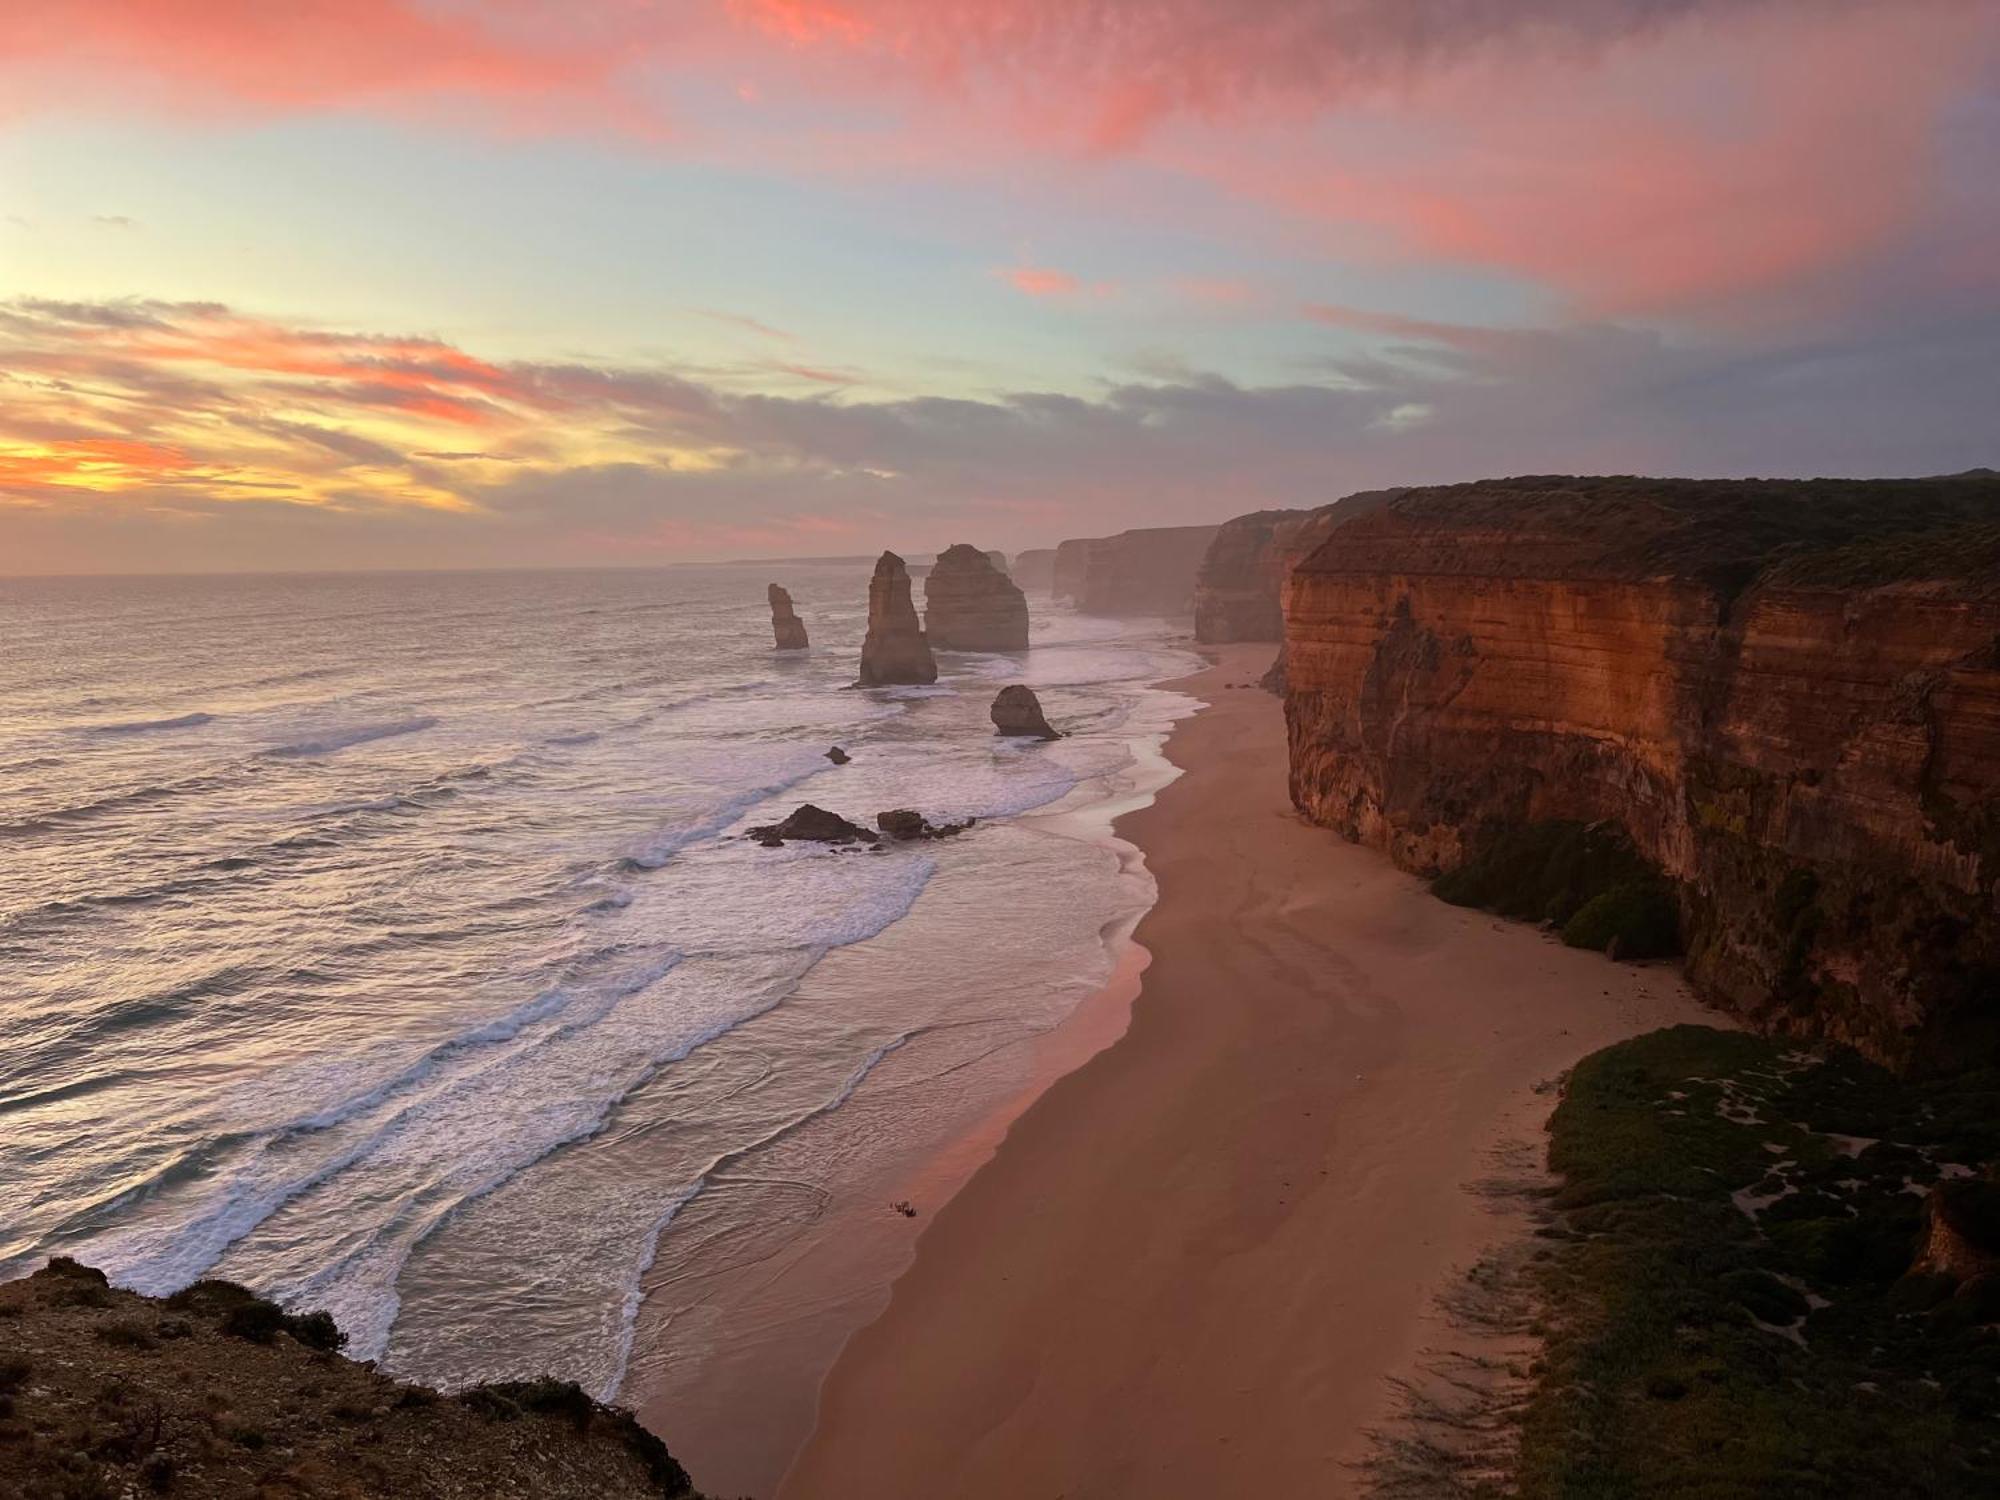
column 1729, row 1311
column 1584, row 877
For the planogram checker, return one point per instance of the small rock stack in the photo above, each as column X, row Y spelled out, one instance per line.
column 789, row 629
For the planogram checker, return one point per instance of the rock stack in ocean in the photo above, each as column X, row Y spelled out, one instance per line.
column 789, row 629
column 971, row 605
column 1018, row 711
column 895, row 649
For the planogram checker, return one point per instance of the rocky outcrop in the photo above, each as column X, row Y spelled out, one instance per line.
column 1786, row 694
column 971, row 605
column 1147, row 571
column 215, row 1392
column 1035, row 570
column 1239, row 589
column 895, row 649
column 1961, row 1232
column 789, row 629
column 1017, row 711
column 809, row 824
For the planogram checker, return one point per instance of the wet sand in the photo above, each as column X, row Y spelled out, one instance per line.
column 1192, row 1263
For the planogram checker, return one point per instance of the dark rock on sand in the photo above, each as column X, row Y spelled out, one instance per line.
column 1018, row 711
column 789, row 629
column 838, row 756
column 895, row 650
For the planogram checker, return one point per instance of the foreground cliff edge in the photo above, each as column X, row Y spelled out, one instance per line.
column 215, row 1392
column 1785, row 695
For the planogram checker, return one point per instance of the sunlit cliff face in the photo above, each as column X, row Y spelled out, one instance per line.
column 504, row 281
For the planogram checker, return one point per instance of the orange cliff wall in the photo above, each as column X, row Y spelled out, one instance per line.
column 1804, row 734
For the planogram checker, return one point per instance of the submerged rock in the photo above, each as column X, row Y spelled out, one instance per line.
column 904, row 826
column 812, row 825
column 895, row 650
column 1018, row 711
column 789, row 629
column 970, row 604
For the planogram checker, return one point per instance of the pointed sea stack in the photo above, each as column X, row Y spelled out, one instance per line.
column 789, row 629
column 895, row 649
column 971, row 605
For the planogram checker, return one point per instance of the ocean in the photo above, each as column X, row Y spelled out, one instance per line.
column 387, row 942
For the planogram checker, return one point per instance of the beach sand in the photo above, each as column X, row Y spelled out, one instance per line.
column 1193, row 1262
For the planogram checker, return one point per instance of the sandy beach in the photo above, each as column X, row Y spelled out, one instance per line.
column 1192, row 1264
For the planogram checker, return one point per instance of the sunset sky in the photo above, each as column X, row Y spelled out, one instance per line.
column 390, row 283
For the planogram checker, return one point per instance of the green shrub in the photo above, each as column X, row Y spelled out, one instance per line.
column 1587, row 878
column 1634, row 919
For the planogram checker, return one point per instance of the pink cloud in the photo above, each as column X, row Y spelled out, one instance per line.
column 1720, row 157
column 1040, row 281
column 1046, row 281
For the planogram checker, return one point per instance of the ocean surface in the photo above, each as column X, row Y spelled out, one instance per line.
column 386, row 942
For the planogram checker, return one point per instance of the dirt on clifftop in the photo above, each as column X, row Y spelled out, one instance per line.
column 216, row 1393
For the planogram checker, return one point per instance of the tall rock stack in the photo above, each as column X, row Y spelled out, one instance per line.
column 895, row 650
column 789, row 629
column 970, row 605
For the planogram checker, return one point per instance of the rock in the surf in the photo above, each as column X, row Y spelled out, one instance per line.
column 838, row 756
column 812, row 825
column 895, row 649
column 786, row 625
column 1017, row 711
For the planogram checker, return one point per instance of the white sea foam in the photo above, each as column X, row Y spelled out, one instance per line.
column 493, row 1050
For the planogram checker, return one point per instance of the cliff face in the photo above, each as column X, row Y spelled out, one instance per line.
column 1070, row 564
column 894, row 649
column 1147, row 571
column 1239, row 589
column 1236, row 589
column 1035, row 569
column 971, row 605
column 1787, row 694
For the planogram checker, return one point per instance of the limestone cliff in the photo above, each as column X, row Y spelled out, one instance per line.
column 1070, row 564
column 786, row 626
column 1035, row 569
column 1238, row 592
column 894, row 649
column 1146, row 571
column 1787, row 694
column 971, row 605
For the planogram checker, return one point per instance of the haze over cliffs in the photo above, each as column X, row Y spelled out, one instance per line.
column 1145, row 571
column 1787, row 693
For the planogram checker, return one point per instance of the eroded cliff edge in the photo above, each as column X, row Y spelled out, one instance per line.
column 1787, row 693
